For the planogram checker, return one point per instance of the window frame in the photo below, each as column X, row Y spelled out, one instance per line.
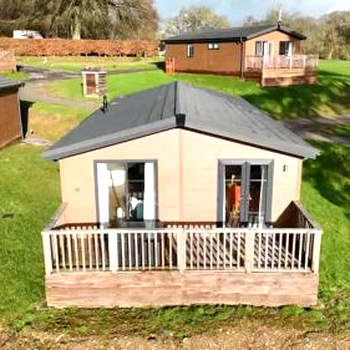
column 213, row 46
column 290, row 48
column 190, row 50
column 262, row 43
column 126, row 162
column 246, row 165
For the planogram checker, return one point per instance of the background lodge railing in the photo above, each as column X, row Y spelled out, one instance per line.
column 257, row 63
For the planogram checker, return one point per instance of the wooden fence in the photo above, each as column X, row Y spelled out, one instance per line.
column 281, row 62
column 250, row 250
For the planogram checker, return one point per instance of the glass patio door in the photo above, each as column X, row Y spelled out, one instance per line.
column 245, row 197
column 126, row 193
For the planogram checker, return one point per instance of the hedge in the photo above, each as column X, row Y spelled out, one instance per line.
column 62, row 47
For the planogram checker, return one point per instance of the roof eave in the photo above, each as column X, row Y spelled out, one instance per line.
column 281, row 29
column 305, row 152
column 16, row 85
column 206, row 40
column 57, row 153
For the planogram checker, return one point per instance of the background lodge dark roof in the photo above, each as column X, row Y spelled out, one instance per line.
column 233, row 34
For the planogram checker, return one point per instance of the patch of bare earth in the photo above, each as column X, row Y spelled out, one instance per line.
column 243, row 336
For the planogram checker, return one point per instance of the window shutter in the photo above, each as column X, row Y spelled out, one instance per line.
column 245, row 192
column 269, row 189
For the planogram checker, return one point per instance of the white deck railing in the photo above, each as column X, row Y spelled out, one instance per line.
column 244, row 250
column 281, row 62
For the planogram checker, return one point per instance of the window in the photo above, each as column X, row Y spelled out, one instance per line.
column 245, row 193
column 190, row 50
column 286, row 48
column 262, row 48
column 126, row 192
column 213, row 46
column 259, row 48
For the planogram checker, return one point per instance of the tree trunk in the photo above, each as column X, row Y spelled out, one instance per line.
column 76, row 25
column 330, row 53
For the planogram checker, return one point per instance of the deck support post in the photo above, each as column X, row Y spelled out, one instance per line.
column 47, row 252
column 181, row 250
column 113, row 251
column 249, row 251
column 316, row 252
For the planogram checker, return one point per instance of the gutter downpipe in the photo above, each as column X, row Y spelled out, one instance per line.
column 242, row 56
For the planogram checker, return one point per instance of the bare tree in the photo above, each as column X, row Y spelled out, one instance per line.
column 195, row 18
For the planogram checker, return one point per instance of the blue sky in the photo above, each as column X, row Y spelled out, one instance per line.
column 236, row 10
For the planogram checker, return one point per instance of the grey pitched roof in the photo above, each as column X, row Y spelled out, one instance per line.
column 233, row 34
column 9, row 83
column 180, row 105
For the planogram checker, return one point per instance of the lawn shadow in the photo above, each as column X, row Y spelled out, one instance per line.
column 159, row 64
column 330, row 96
column 330, row 173
column 24, row 108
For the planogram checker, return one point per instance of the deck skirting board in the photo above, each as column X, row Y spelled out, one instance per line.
column 162, row 288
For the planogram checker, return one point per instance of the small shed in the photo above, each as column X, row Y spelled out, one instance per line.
column 10, row 115
column 94, row 81
column 7, row 61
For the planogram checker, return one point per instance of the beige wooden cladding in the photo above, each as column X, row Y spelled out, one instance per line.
column 187, row 175
column 275, row 38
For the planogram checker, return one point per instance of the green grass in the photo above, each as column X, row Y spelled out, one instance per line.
column 117, row 85
column 77, row 63
column 51, row 121
column 15, row 75
column 342, row 130
column 328, row 98
column 29, row 191
column 29, row 194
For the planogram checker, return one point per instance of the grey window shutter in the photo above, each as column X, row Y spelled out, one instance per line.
column 268, row 210
column 245, row 192
column 221, row 193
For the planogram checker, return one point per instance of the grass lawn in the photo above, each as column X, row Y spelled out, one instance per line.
column 51, row 121
column 77, row 63
column 29, row 194
column 328, row 98
column 15, row 75
column 339, row 130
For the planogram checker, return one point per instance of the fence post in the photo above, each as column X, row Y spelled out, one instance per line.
column 249, row 251
column 113, row 251
column 316, row 251
column 47, row 252
column 181, row 250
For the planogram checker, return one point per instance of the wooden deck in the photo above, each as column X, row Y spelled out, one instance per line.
column 162, row 288
column 282, row 70
column 195, row 259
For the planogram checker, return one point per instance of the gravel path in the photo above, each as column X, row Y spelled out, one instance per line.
column 38, row 91
column 245, row 335
column 312, row 128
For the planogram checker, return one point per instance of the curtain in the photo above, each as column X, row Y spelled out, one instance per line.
column 149, row 193
column 103, row 181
